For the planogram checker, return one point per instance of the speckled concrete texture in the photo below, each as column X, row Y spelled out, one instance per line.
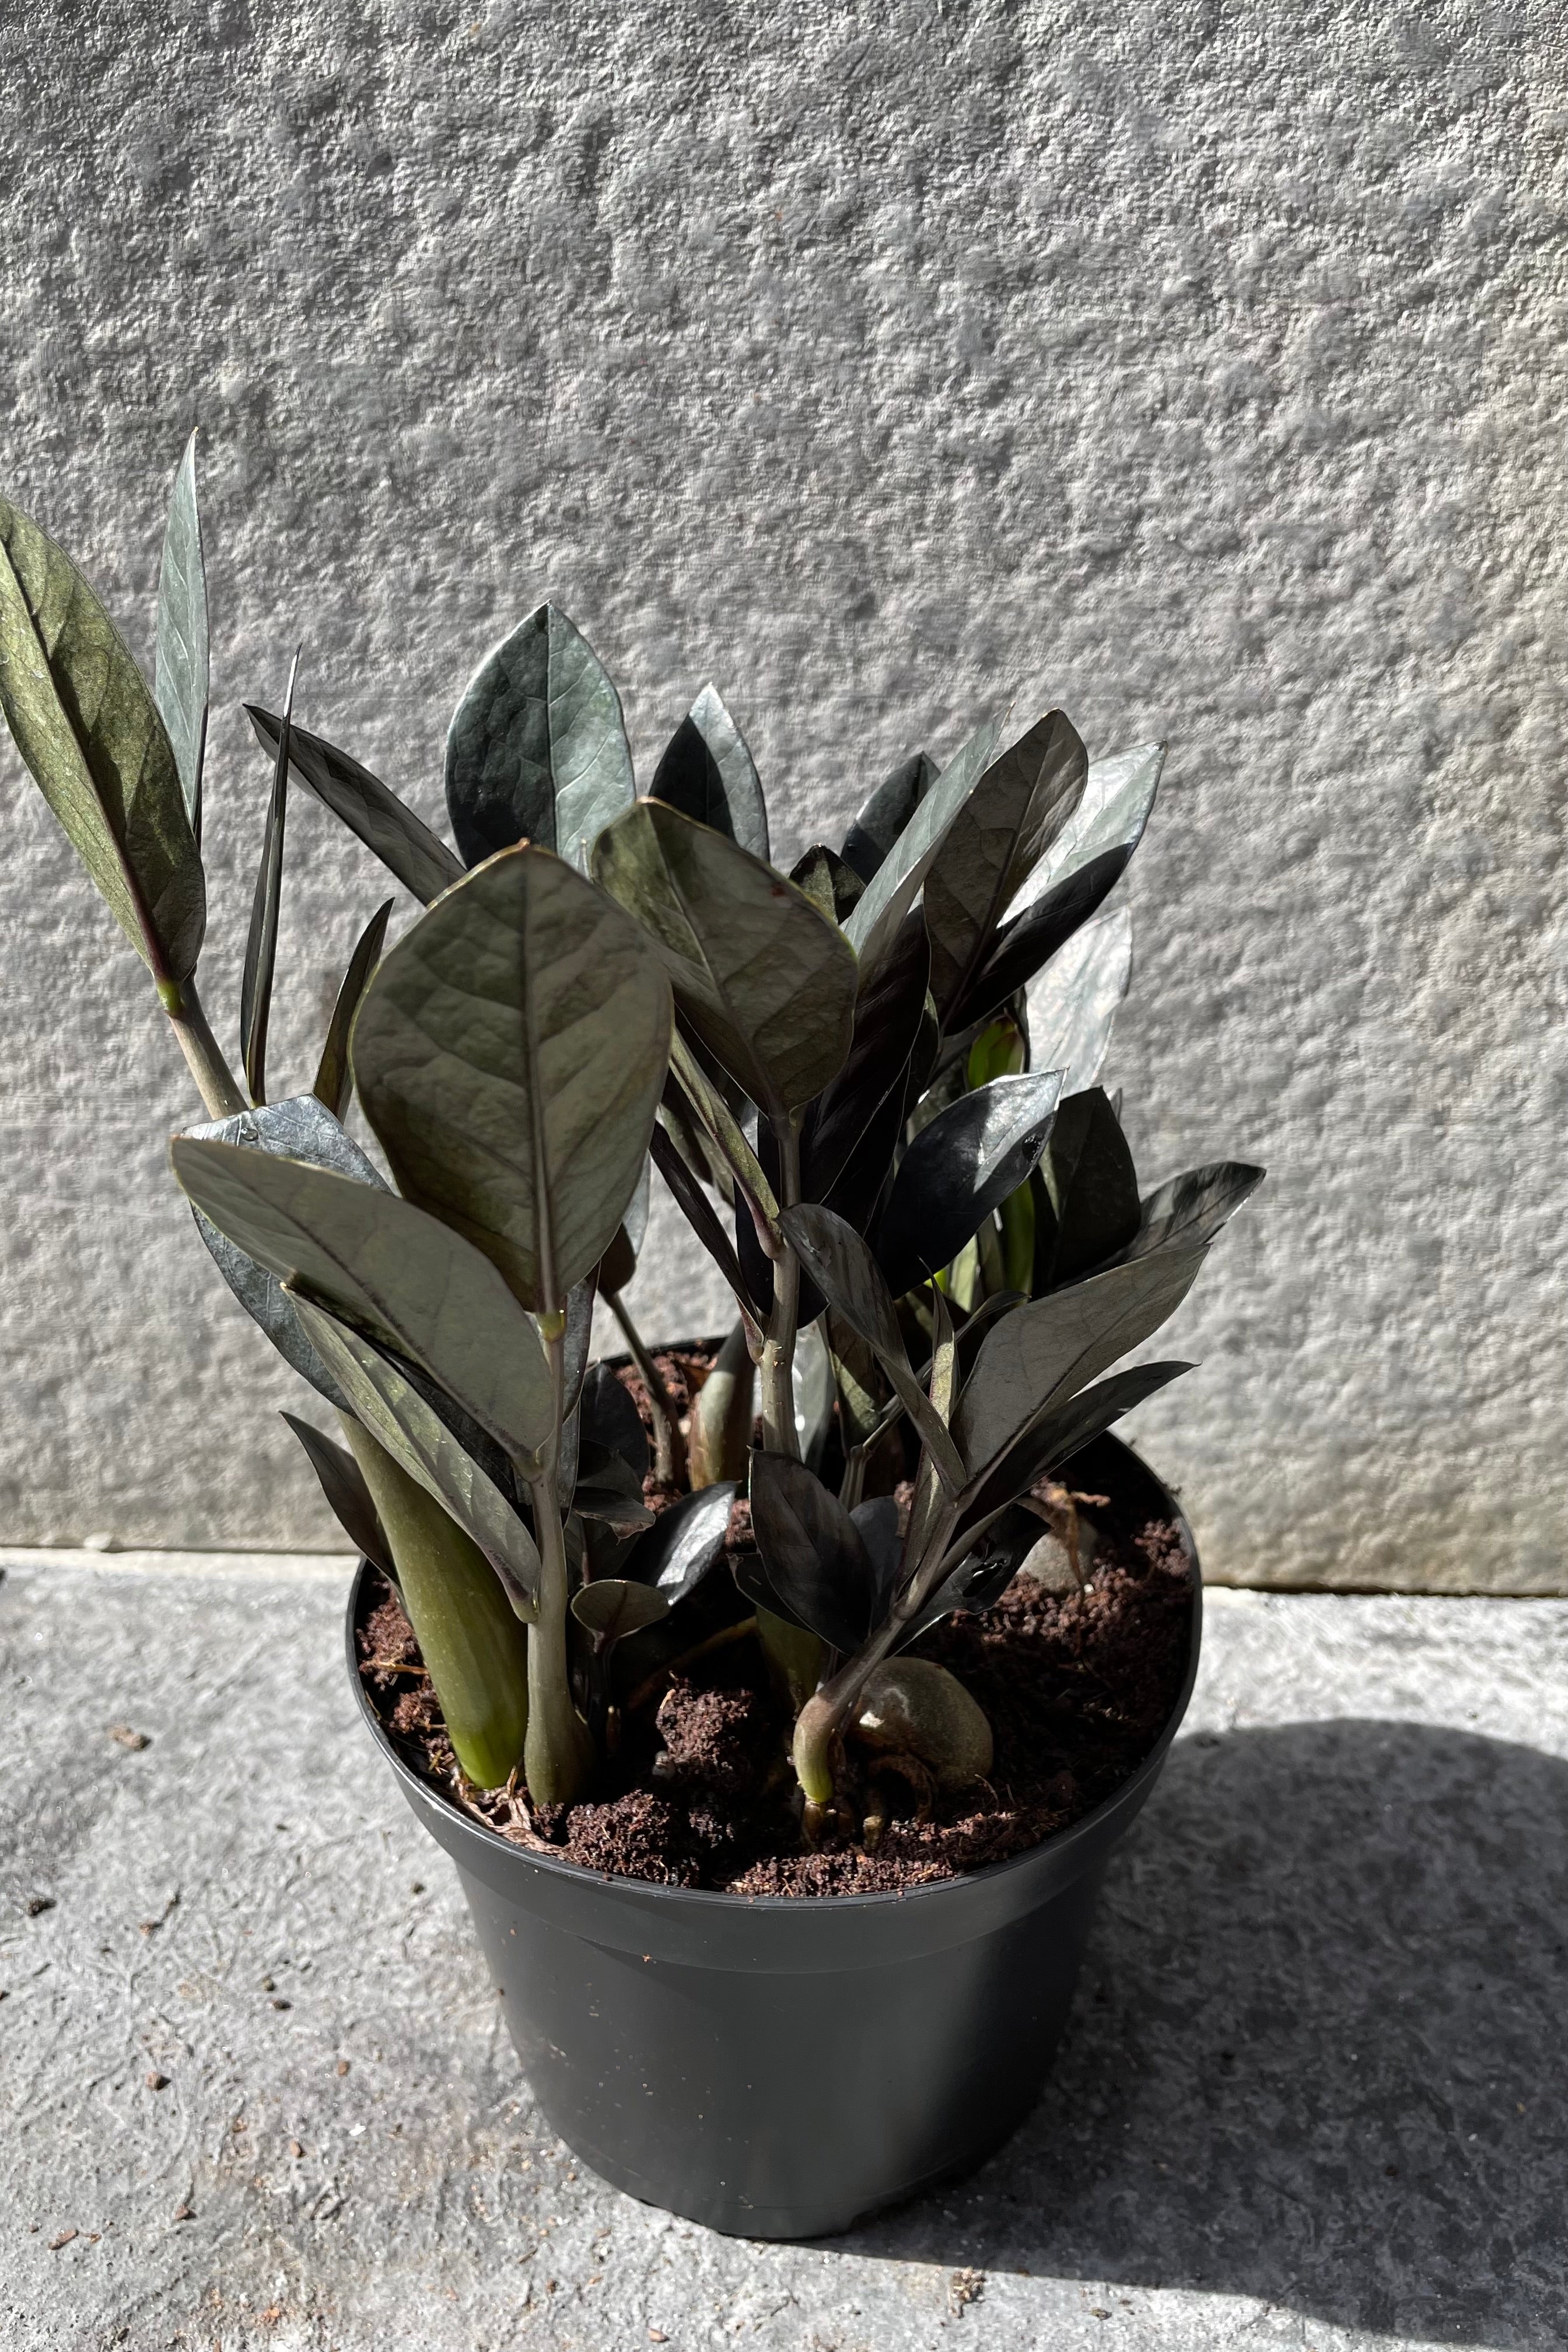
column 1199, row 367
column 1310, row 2099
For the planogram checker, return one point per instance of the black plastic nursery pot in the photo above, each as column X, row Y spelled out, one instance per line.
column 778, row 2067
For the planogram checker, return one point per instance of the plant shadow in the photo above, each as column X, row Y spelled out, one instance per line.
column 1320, row 2050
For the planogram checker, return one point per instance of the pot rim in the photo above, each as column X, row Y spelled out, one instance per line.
column 422, row 1792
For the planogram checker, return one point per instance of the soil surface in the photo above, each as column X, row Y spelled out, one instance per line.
column 1076, row 1686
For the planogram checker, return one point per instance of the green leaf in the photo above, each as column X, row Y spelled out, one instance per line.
column 537, row 749
column 181, row 676
column 1093, row 1190
column 849, row 1278
column 890, row 893
column 347, row 1496
column 766, row 982
column 994, row 843
column 707, row 773
column 834, row 888
column 1041, row 1354
column 406, row 1278
column 334, row 1081
column 886, row 813
column 509, row 1054
column 1074, row 1001
column 371, row 810
column 400, row 1418
column 299, row 1128
column 261, row 942
column 92, row 735
column 958, row 1170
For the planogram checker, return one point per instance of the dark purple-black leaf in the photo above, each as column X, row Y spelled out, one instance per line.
column 958, row 1170
column 1092, row 1188
column 348, row 1497
column 684, row 1542
column 261, row 942
column 813, row 1556
column 610, row 1419
column 406, row 847
column 709, row 773
column 886, row 813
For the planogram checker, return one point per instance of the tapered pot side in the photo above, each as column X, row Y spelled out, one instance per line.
column 777, row 2068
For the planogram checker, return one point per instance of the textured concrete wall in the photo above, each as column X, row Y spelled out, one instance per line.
column 1198, row 366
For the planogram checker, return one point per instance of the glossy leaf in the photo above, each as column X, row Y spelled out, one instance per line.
column 1117, row 801
column 408, row 1279
column 347, row 1496
column 889, row 1006
column 610, row 1419
column 766, row 981
column 981, row 1580
column 91, row 733
column 833, row 888
column 298, row 1127
column 406, row 846
column 1071, row 882
column 509, row 1054
column 878, row 1522
column 182, row 671
column 891, row 891
column 612, row 1607
column 886, row 813
column 537, row 749
column 1058, row 1435
column 958, row 1170
column 608, row 1489
column 402, row 1420
column 686, row 1541
column 1189, row 1209
column 813, row 1556
column 1092, row 1187
column 707, row 773
column 998, row 837
column 577, row 1341
column 261, row 942
column 814, row 1389
column 1074, row 1001
column 849, row 1278
column 1041, row 1354
column 334, row 1080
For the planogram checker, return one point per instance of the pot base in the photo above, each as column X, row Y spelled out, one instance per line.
column 775, row 2066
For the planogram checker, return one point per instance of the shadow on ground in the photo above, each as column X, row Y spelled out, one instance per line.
column 1320, row 2054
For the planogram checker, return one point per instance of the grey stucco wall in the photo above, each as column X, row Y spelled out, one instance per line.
column 1197, row 367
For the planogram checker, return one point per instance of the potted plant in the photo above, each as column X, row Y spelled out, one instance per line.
column 779, row 1698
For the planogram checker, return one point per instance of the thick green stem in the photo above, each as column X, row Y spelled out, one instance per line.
column 722, row 1415
column 559, row 1752
column 473, row 1647
column 668, row 1446
column 214, row 1080
column 776, row 1367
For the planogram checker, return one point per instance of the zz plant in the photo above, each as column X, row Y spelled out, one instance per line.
column 869, row 1084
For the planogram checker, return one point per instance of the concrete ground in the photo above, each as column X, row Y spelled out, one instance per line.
column 257, row 2093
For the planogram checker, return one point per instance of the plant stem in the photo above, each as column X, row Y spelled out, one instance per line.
column 776, row 1367
column 214, row 1080
column 474, row 1647
column 669, row 1447
column 823, row 1718
column 722, row 1415
column 558, row 1752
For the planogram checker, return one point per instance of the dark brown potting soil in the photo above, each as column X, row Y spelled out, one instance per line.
column 1076, row 1686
